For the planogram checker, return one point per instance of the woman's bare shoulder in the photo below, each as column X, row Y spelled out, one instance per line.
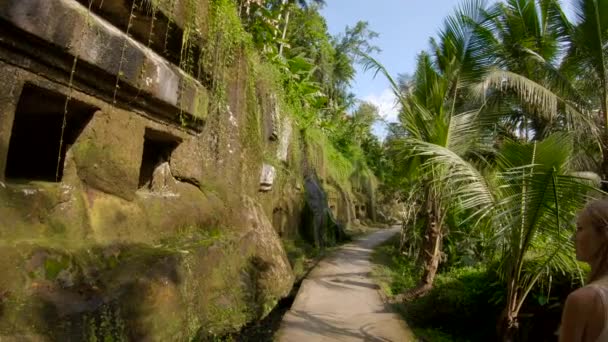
column 584, row 316
column 584, row 298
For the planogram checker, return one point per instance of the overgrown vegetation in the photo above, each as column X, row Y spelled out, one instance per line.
column 226, row 47
column 499, row 144
column 466, row 300
column 315, row 70
column 496, row 149
column 302, row 256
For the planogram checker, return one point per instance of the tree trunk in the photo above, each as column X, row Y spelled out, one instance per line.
column 407, row 228
column 277, row 29
column 604, row 185
column 604, row 121
column 431, row 248
column 403, row 236
column 284, row 34
column 508, row 326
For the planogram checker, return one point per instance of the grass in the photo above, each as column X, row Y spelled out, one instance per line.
column 302, row 256
column 461, row 307
column 393, row 271
column 466, row 301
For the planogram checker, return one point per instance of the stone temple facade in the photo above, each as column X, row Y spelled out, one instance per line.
column 126, row 210
column 133, row 203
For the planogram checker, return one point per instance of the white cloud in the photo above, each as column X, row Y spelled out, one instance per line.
column 386, row 103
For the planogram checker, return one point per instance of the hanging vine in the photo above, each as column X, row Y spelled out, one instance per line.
column 120, row 73
column 67, row 102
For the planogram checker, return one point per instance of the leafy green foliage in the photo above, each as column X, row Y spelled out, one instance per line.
column 489, row 120
column 315, row 71
column 300, row 254
column 466, row 300
column 395, row 272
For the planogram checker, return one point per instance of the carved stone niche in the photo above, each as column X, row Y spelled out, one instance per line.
column 155, row 171
column 267, row 177
column 332, row 207
column 46, row 125
column 284, row 139
column 278, row 128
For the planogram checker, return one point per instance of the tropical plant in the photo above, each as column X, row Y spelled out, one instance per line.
column 586, row 62
column 530, row 198
column 482, row 116
column 435, row 112
column 522, row 43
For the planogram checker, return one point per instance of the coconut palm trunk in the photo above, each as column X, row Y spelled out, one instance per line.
column 605, row 161
column 604, row 119
column 430, row 252
column 508, row 324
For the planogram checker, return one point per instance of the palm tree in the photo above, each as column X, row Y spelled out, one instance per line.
column 586, row 62
column 529, row 194
column 536, row 199
column 530, row 198
column 531, row 94
column 524, row 38
column 436, row 111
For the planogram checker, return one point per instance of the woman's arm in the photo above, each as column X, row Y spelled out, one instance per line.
column 580, row 305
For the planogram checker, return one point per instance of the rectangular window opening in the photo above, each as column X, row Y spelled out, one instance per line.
column 34, row 152
column 158, row 147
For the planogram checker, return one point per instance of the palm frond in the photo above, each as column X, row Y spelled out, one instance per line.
column 465, row 182
column 370, row 63
column 542, row 99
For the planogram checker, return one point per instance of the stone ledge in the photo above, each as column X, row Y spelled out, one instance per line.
column 75, row 30
column 158, row 24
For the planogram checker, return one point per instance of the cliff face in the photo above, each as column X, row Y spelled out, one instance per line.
column 143, row 194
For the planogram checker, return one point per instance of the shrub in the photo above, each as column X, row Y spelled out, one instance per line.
column 462, row 303
column 466, row 301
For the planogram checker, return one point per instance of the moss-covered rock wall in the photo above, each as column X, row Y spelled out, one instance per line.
column 179, row 168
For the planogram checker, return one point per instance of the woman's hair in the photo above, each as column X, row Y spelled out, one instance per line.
column 598, row 214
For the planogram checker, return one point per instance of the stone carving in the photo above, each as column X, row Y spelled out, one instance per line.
column 275, row 118
column 267, row 177
column 284, row 138
column 162, row 177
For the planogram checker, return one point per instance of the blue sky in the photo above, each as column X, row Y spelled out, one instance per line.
column 405, row 27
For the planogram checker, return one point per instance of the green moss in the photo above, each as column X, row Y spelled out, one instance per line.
column 227, row 317
column 192, row 237
column 326, row 159
column 33, row 209
column 201, row 104
column 53, row 266
column 202, row 267
column 226, row 34
column 295, row 151
column 301, row 255
column 211, row 289
column 107, row 325
column 251, row 133
column 115, row 219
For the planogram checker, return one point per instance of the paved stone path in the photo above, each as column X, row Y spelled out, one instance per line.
column 339, row 301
